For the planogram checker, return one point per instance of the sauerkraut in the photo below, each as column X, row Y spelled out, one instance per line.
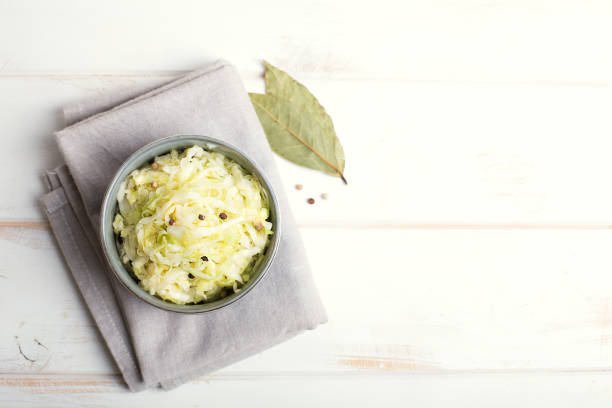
column 191, row 225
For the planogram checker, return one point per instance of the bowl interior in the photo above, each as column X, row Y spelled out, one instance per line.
column 146, row 155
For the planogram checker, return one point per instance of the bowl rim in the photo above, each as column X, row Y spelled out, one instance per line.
column 135, row 288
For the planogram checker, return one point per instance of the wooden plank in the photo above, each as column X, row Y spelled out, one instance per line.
column 419, row 155
column 398, row 301
column 45, row 325
column 509, row 390
column 525, row 40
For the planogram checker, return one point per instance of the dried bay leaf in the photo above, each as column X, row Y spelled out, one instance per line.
column 297, row 132
column 296, row 125
column 281, row 84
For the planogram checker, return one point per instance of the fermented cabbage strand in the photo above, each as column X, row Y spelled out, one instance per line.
column 171, row 232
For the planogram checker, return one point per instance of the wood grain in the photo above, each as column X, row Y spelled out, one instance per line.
column 472, row 40
column 538, row 300
column 505, row 391
column 422, row 154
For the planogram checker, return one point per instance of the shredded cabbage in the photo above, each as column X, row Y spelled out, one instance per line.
column 191, row 225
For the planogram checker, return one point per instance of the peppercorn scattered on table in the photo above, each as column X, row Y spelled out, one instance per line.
column 466, row 263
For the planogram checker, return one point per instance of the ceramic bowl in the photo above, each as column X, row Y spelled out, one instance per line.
column 144, row 156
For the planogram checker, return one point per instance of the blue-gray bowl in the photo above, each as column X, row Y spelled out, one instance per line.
column 145, row 155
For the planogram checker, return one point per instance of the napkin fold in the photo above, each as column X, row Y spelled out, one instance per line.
column 153, row 347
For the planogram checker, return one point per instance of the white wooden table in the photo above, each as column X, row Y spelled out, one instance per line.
column 467, row 263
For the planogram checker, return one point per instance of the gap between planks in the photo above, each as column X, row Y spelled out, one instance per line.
column 43, row 225
column 25, row 379
column 250, row 75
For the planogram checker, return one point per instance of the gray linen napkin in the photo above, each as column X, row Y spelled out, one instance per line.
column 153, row 347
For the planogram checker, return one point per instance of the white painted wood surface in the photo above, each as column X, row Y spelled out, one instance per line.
column 467, row 261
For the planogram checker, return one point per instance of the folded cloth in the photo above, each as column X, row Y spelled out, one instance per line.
column 153, row 347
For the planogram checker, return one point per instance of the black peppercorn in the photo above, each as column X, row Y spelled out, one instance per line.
column 171, row 222
column 223, row 216
column 201, row 217
column 204, row 258
column 191, row 276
